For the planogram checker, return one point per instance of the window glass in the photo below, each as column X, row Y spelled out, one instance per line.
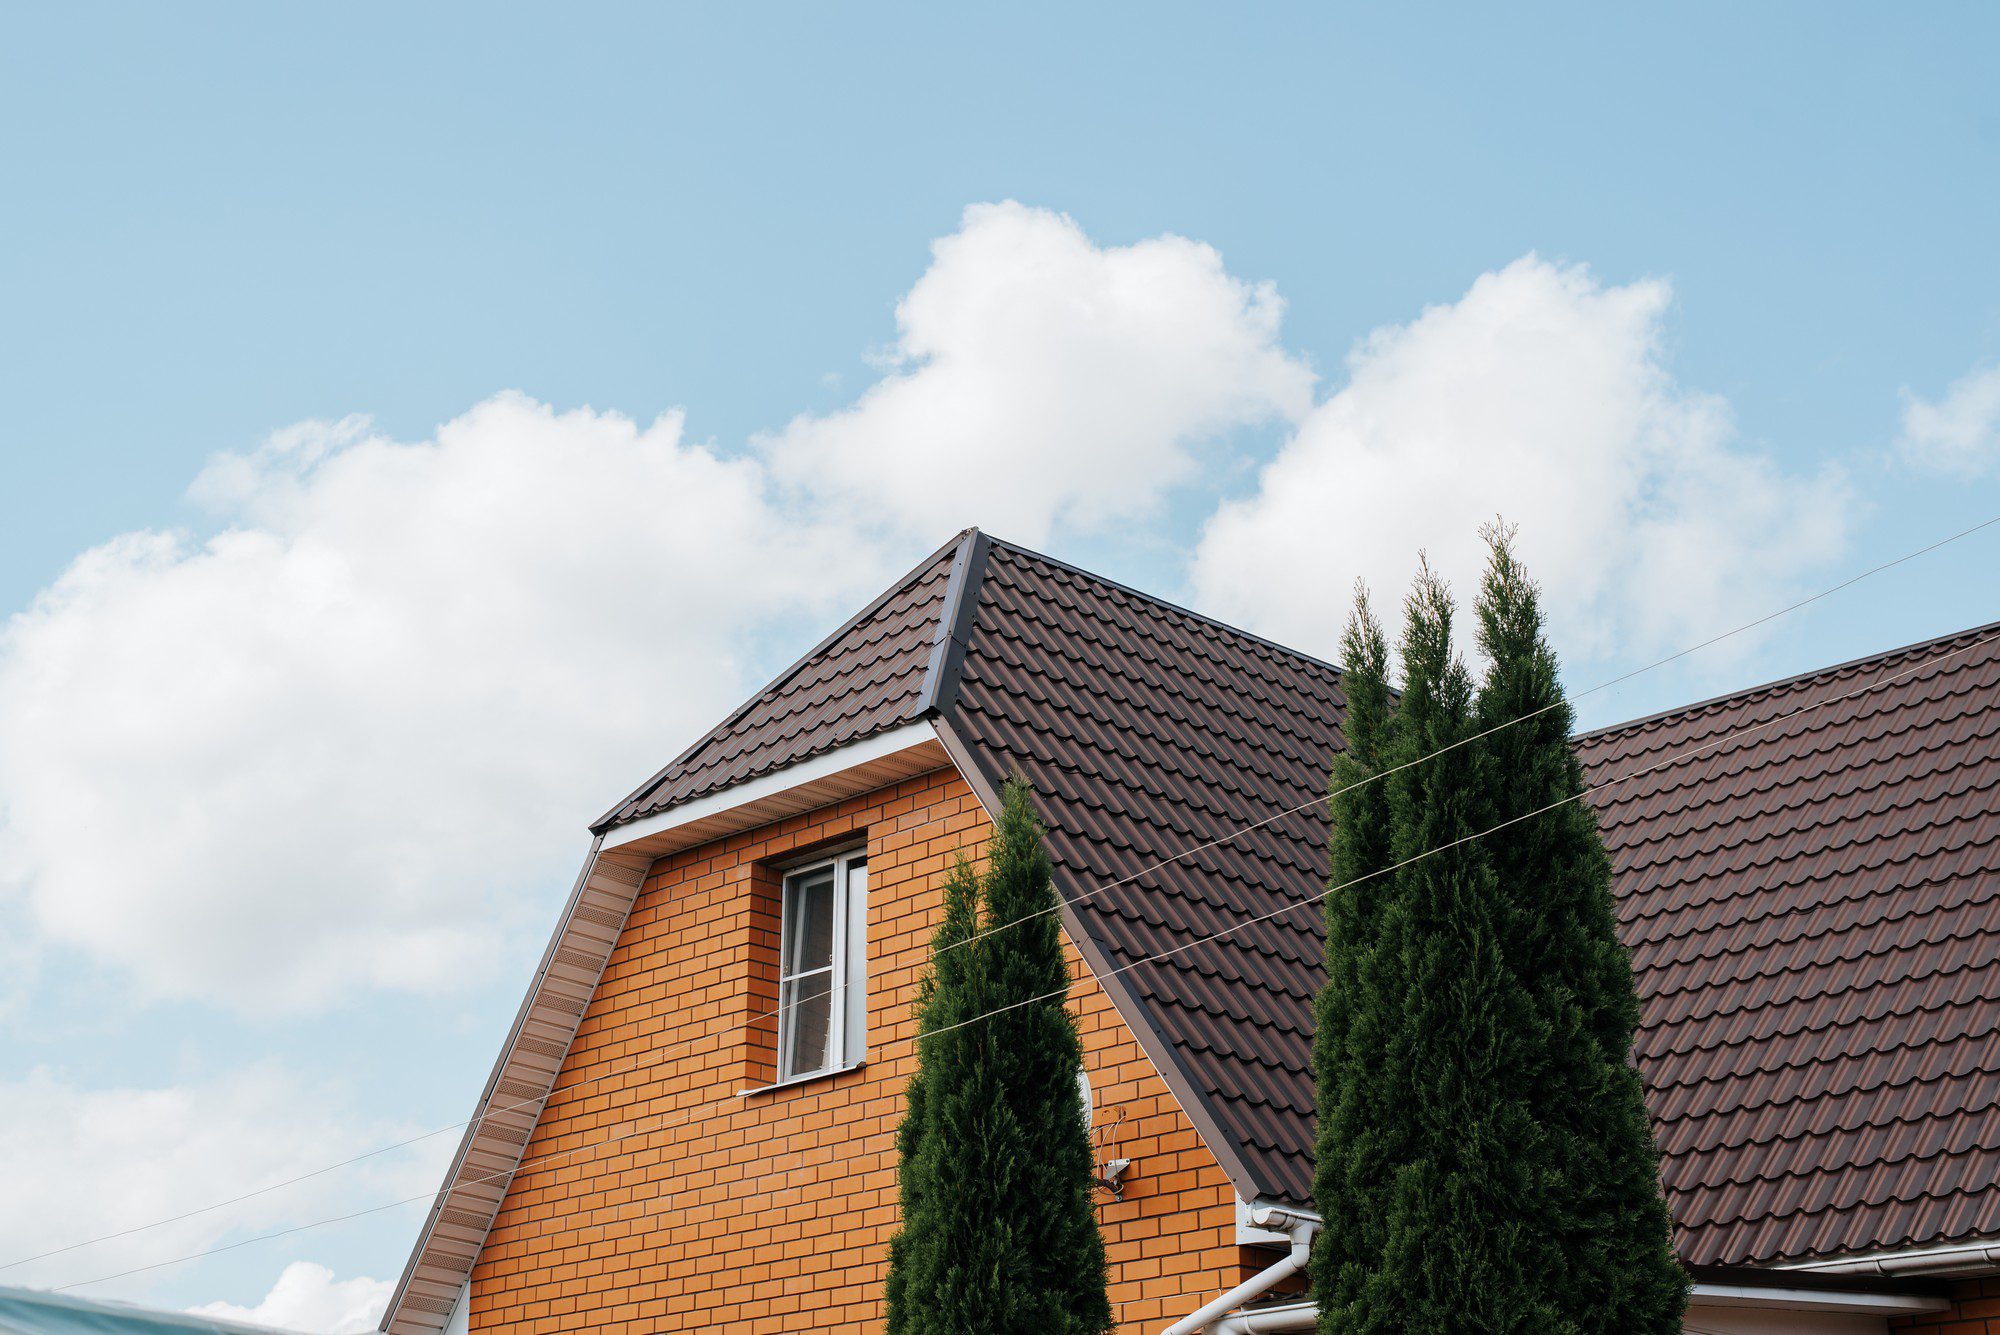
column 823, row 966
column 811, row 911
column 810, row 1001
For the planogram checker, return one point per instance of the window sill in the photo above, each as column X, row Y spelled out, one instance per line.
column 797, row 1080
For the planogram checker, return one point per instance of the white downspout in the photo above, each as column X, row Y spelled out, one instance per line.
column 1301, row 1230
column 1287, row 1320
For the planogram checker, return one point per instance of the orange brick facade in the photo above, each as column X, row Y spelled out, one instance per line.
column 772, row 1211
column 1975, row 1310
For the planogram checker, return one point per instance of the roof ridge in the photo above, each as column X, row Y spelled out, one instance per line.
column 1285, row 649
column 1794, row 679
column 955, row 620
column 700, row 743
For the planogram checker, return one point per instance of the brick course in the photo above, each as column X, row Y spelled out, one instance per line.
column 773, row 1211
column 1975, row 1310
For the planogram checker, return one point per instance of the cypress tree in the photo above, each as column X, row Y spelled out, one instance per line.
column 1458, row 1146
column 919, row 1252
column 999, row 1232
column 1348, row 1033
column 1483, row 1158
column 1608, row 1225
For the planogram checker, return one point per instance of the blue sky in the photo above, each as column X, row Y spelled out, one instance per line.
column 223, row 221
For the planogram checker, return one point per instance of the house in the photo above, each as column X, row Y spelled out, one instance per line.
column 1808, row 875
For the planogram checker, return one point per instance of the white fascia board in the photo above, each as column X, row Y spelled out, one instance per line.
column 1804, row 1299
column 823, row 766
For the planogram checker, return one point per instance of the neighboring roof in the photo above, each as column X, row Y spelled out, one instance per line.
column 1814, row 915
column 1810, row 906
column 40, row 1312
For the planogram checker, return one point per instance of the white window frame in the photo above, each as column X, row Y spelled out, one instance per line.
column 847, row 1017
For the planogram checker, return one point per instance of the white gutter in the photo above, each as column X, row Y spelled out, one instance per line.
column 1296, row 1317
column 1963, row 1258
column 1300, row 1228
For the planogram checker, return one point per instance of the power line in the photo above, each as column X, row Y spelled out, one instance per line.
column 1479, row 736
column 1578, row 796
column 373, row 1209
column 479, row 1118
column 1210, row 938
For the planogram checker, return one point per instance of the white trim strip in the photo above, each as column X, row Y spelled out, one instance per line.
column 823, row 766
column 1302, row 1317
column 1812, row 1300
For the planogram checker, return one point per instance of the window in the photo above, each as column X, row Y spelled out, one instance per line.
column 823, row 966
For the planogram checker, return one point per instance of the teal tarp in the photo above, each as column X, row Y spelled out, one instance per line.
column 31, row 1310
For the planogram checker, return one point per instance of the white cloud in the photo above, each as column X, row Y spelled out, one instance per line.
column 1041, row 380
column 100, row 1161
column 308, row 1298
column 1960, row 433
column 347, row 741
column 338, row 744
column 1541, row 394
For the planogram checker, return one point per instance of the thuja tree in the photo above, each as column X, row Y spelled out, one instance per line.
column 1615, row 1268
column 998, row 1233
column 1478, row 1008
column 1348, row 1034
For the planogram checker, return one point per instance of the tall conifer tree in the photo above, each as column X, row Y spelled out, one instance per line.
column 1612, row 1263
column 999, row 1231
column 1348, row 1033
column 1483, row 1151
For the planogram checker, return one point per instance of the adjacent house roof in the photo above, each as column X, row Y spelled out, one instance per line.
column 1814, row 916
column 1809, row 906
column 39, row 1312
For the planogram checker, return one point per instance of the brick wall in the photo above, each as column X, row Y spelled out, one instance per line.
column 773, row 1212
column 1975, row 1310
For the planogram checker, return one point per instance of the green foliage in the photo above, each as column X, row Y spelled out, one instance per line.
column 1484, row 1159
column 999, row 1231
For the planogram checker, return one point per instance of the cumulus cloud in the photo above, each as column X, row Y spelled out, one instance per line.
column 1039, row 380
column 100, row 1161
column 308, row 1298
column 1541, row 394
column 348, row 740
column 1958, row 434
column 339, row 743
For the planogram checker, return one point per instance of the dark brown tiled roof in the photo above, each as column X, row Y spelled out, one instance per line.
column 866, row 677
column 1814, row 915
column 1145, row 731
column 1811, row 907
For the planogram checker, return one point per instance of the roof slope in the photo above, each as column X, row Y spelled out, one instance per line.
column 866, row 677
column 1814, row 916
column 1147, row 731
